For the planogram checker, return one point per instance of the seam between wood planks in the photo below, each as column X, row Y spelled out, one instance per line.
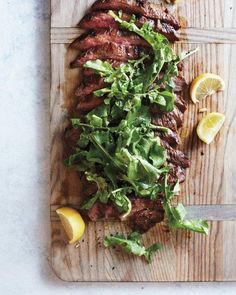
column 208, row 212
column 62, row 35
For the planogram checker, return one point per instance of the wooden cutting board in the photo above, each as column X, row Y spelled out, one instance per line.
column 210, row 188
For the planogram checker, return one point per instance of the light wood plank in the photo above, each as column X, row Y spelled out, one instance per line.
column 217, row 13
column 190, row 35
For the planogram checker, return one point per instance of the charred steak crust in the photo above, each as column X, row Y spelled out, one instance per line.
column 119, row 52
column 144, row 8
column 102, row 20
column 104, row 36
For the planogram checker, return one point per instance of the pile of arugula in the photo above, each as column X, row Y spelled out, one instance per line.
column 118, row 148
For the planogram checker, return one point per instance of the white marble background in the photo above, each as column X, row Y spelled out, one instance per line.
column 24, row 164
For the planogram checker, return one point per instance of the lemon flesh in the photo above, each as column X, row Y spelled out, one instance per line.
column 209, row 126
column 72, row 223
column 205, row 85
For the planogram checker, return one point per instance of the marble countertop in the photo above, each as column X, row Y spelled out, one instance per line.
column 24, row 164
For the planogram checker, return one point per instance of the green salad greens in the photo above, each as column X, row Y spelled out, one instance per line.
column 118, row 148
column 132, row 244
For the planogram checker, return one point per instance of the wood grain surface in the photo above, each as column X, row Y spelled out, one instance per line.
column 210, row 188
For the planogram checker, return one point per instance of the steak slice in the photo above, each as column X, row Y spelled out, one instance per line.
column 145, row 213
column 177, row 173
column 142, row 7
column 99, row 20
column 88, row 103
column 164, row 119
column 102, row 20
column 180, row 103
column 103, row 211
column 172, row 138
column 102, row 37
column 110, row 50
column 180, row 83
column 177, row 157
column 92, row 84
column 173, row 120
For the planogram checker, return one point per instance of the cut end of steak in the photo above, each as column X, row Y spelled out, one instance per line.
column 141, row 7
column 101, row 211
column 104, row 36
column 92, row 84
column 118, row 52
column 172, row 138
column 177, row 173
column 70, row 139
column 98, row 20
column 88, row 103
column 145, row 214
column 177, row 157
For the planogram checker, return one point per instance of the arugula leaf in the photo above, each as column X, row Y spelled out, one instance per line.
column 102, row 67
column 106, row 192
column 163, row 52
column 176, row 215
column 132, row 244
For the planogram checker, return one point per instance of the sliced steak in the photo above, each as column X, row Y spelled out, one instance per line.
column 180, row 103
column 92, row 84
column 145, row 214
column 164, row 119
column 70, row 138
column 103, row 211
column 172, row 120
column 177, row 158
column 115, row 51
column 180, row 83
column 102, row 20
column 177, row 173
column 142, row 7
column 102, row 37
column 88, row 103
column 172, row 138
column 98, row 20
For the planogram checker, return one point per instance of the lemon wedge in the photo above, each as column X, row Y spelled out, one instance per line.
column 209, row 126
column 72, row 223
column 205, row 85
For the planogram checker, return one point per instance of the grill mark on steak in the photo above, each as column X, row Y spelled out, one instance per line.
column 92, row 84
column 143, row 7
column 176, row 173
column 101, row 20
column 180, row 83
column 102, row 37
column 116, row 51
column 172, row 138
column 176, row 157
column 88, row 103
